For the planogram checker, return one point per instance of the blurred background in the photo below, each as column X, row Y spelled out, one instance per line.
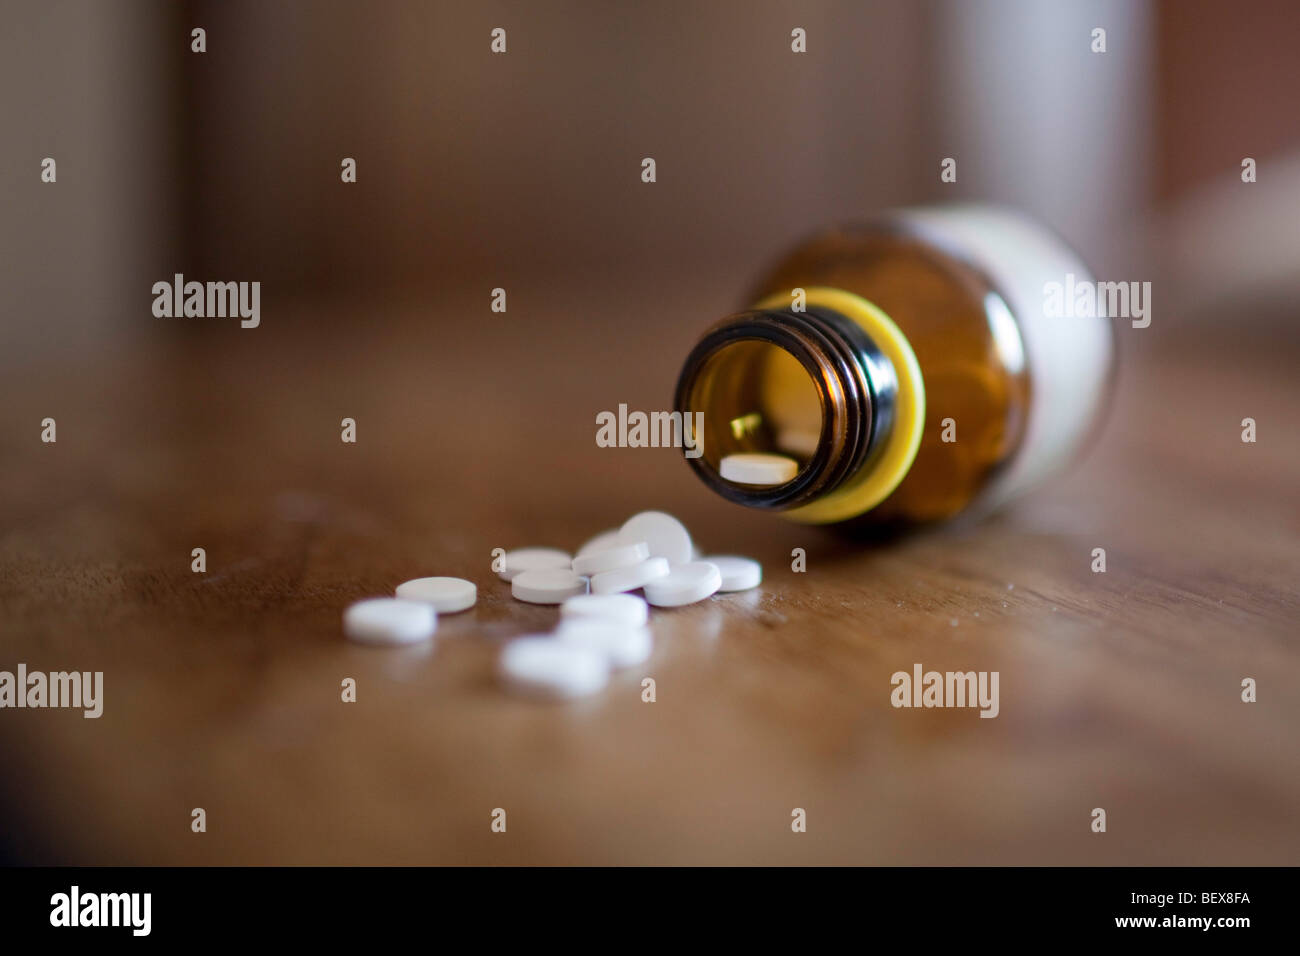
column 478, row 170
column 523, row 171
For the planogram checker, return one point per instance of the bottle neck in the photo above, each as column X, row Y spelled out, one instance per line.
column 810, row 385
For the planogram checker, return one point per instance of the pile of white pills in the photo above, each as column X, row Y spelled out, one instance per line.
column 602, row 627
column 411, row 616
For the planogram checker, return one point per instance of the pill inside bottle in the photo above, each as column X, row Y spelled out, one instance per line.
column 765, row 419
column 758, row 468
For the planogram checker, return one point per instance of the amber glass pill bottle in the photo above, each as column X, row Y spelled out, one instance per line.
column 909, row 367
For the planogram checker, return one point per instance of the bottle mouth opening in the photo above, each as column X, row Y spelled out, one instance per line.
column 759, row 398
column 779, row 383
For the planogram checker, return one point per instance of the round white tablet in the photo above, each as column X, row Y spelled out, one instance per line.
column 738, row 574
column 543, row 666
column 547, row 586
column 611, row 559
column 602, row 542
column 447, row 595
column 629, row 579
column 664, row 535
column 533, row 559
column 685, row 584
column 624, row 646
column 389, row 621
column 756, row 468
column 625, row 608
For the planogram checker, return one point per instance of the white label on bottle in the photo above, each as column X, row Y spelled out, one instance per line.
column 1069, row 359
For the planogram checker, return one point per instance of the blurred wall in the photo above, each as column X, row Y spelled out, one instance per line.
column 95, row 87
column 1040, row 121
column 473, row 164
column 1227, row 88
column 475, row 167
column 531, row 160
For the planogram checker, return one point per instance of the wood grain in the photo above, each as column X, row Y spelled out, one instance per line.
column 1118, row 690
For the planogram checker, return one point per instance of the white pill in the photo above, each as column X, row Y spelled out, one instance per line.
column 756, row 468
column 447, row 595
column 532, row 559
column 738, row 574
column 629, row 579
column 389, row 621
column 611, row 559
column 602, row 542
column 625, row 608
column 685, row 584
column 547, row 586
column 543, row 666
column 664, row 535
column 624, row 646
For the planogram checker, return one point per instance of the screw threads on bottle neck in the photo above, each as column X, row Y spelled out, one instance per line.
column 734, row 377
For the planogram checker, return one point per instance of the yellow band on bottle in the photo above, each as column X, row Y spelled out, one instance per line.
column 872, row 485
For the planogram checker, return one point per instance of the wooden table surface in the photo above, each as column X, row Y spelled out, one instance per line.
column 1119, row 690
